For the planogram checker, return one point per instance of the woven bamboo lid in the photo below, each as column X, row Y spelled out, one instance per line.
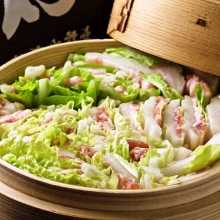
column 186, row 32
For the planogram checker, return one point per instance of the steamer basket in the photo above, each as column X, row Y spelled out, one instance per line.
column 195, row 199
column 186, row 32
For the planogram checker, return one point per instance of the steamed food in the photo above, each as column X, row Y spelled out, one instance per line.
column 115, row 120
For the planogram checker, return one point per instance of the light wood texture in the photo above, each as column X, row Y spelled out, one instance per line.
column 192, row 200
column 186, row 32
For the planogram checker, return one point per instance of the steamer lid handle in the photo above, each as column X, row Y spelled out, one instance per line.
column 121, row 12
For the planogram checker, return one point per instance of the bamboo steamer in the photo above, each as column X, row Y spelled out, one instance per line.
column 186, row 32
column 22, row 194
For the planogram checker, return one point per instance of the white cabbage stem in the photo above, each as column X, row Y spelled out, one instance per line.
column 215, row 139
column 176, row 167
column 121, row 167
column 181, row 153
column 32, row 72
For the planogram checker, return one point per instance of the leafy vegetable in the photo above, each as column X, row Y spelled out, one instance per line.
column 59, row 99
column 93, row 89
column 25, row 97
column 22, row 84
column 44, row 90
column 76, row 57
column 132, row 54
column 144, row 94
column 167, row 91
column 121, row 166
column 87, row 66
column 202, row 157
column 201, row 100
column 158, row 157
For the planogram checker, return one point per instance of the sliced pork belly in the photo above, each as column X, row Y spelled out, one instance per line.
column 195, row 124
column 192, row 82
column 173, row 123
column 192, row 138
column 11, row 118
column 153, row 116
column 212, row 80
column 130, row 111
column 172, row 74
column 213, row 111
column 121, row 63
